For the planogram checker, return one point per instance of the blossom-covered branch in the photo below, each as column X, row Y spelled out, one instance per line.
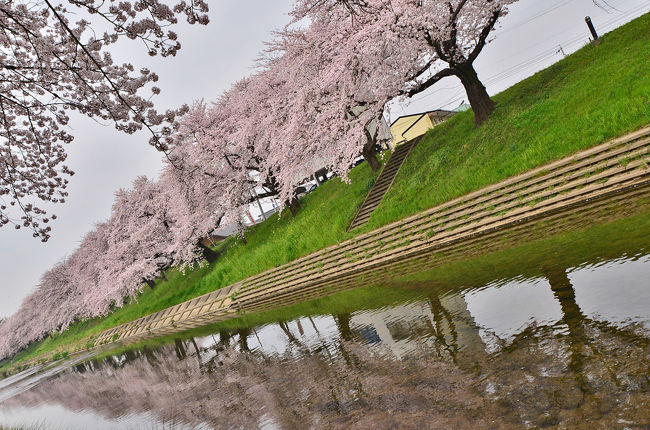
column 51, row 66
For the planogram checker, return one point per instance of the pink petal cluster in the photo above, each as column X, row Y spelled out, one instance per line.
column 53, row 62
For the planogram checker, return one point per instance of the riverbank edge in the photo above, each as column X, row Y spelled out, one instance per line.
column 604, row 169
column 528, row 129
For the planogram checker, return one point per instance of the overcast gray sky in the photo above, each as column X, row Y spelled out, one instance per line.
column 214, row 57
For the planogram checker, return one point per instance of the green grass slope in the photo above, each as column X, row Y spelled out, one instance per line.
column 323, row 220
column 593, row 95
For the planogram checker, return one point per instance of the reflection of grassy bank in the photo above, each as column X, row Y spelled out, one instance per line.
column 622, row 238
column 83, row 330
column 577, row 103
column 369, row 297
column 323, row 221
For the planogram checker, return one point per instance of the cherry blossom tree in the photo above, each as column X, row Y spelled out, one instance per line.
column 62, row 296
column 258, row 114
column 449, row 34
column 139, row 235
column 456, row 33
column 224, row 149
column 207, row 180
column 89, row 270
column 302, row 111
column 330, row 86
column 59, row 295
column 197, row 210
column 56, row 58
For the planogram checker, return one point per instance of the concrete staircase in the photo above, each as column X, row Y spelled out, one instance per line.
column 383, row 184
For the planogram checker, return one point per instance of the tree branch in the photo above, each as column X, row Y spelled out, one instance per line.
column 484, row 35
column 429, row 82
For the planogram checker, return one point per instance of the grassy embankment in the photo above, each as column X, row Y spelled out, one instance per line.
column 585, row 99
column 591, row 242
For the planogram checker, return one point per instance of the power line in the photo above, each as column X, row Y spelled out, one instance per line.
column 548, row 53
column 543, row 56
column 534, row 17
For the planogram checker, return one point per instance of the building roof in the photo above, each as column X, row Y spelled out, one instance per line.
column 437, row 112
column 462, row 107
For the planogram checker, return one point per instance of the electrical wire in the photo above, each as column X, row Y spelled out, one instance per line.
column 545, row 55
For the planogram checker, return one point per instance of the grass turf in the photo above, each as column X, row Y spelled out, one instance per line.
column 592, row 95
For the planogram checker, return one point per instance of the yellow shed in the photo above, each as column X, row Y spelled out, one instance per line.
column 408, row 127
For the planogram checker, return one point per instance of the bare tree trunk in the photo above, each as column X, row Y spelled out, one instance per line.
column 285, row 328
column 313, row 325
column 343, row 324
column 294, row 206
column 224, row 338
column 162, row 275
column 198, row 352
column 479, row 99
column 208, row 254
column 369, row 153
column 243, row 339
column 573, row 317
column 151, row 283
column 440, row 315
column 181, row 352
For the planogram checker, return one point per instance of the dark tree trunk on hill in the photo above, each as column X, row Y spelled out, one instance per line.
column 370, row 156
column 479, row 99
column 369, row 153
column 162, row 275
column 294, row 206
column 460, row 63
column 210, row 255
column 151, row 283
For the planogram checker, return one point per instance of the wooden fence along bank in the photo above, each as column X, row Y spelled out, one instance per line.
column 476, row 223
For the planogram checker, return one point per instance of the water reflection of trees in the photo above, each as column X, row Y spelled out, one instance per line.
column 236, row 389
column 575, row 373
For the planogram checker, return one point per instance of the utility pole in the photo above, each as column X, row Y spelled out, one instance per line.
column 257, row 199
column 592, row 29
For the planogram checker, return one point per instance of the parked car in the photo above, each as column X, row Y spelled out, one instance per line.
column 358, row 161
column 305, row 188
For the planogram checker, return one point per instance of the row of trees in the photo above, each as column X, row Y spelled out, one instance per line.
column 322, row 87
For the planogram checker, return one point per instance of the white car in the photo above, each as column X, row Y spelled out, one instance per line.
column 305, row 188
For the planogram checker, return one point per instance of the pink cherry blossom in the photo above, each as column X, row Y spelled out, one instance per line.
column 56, row 59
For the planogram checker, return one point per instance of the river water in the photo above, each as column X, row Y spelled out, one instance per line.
column 551, row 331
